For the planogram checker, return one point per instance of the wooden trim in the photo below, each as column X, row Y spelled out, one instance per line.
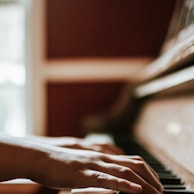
column 19, row 186
column 66, row 70
column 93, row 69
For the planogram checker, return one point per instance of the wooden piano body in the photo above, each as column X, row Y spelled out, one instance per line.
column 165, row 126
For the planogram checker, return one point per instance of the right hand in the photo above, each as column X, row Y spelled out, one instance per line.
column 71, row 168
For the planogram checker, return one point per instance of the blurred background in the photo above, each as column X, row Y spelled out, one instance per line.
column 62, row 60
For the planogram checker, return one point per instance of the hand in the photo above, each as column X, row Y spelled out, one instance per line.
column 71, row 168
column 79, row 143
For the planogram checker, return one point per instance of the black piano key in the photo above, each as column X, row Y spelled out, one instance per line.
column 174, row 191
column 180, row 187
column 161, row 170
column 166, row 174
column 169, row 191
column 170, row 181
column 166, row 191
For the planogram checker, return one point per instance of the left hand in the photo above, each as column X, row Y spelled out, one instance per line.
column 79, row 143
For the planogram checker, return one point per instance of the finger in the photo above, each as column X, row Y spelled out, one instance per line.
column 141, row 159
column 114, row 149
column 139, row 167
column 109, row 149
column 124, row 173
column 103, row 180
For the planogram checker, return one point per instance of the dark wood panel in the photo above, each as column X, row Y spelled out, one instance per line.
column 68, row 103
column 99, row 28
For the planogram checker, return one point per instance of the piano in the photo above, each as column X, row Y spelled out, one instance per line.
column 154, row 117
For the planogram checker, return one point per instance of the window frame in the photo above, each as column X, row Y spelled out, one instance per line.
column 41, row 70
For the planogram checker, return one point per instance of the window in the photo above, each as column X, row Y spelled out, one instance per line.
column 12, row 67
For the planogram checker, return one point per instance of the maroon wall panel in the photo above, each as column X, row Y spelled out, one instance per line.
column 68, row 103
column 98, row 28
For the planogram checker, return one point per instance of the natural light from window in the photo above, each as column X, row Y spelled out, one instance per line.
column 12, row 68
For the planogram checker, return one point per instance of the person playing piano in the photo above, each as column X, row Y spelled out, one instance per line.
column 74, row 163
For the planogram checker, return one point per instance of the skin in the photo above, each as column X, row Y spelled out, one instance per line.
column 60, row 167
column 78, row 143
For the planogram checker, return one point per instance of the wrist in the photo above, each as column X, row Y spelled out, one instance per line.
column 18, row 158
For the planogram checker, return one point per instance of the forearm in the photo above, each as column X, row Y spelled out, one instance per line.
column 17, row 158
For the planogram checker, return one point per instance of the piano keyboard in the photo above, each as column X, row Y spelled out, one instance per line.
column 170, row 181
